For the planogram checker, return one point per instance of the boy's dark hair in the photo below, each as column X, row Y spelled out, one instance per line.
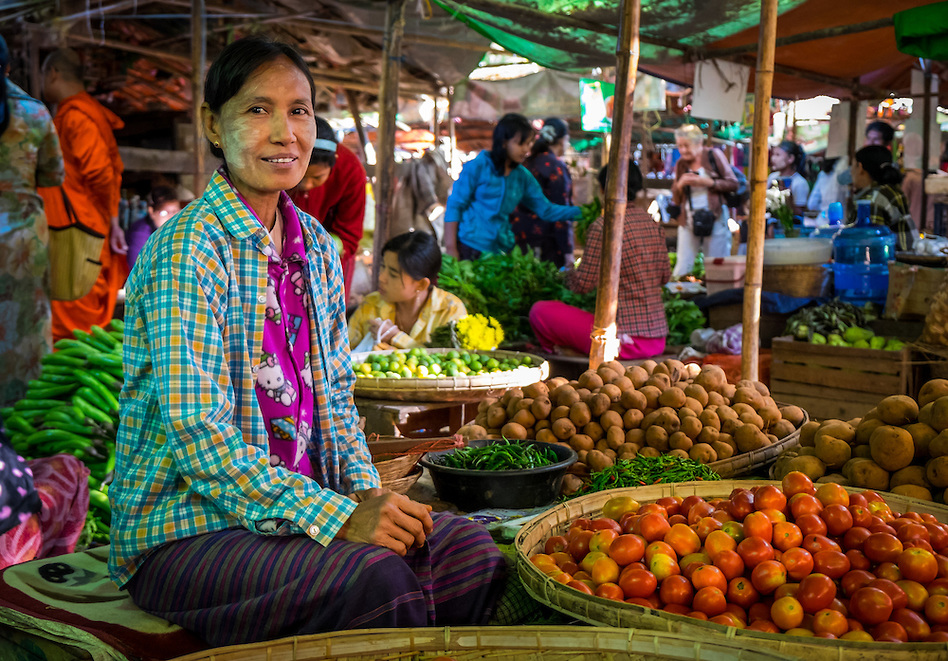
column 160, row 195
column 419, row 254
column 510, row 126
column 237, row 62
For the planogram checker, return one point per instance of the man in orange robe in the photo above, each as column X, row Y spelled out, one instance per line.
column 92, row 185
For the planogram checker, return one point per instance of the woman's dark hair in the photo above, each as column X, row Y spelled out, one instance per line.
column 882, row 128
column 160, row 195
column 235, row 65
column 876, row 160
column 4, row 110
column 554, row 129
column 828, row 164
column 635, row 179
column 796, row 151
column 320, row 154
column 418, row 254
column 510, row 126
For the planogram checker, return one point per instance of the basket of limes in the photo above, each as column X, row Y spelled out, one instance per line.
column 443, row 375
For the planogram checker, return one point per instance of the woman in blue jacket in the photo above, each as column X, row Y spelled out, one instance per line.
column 477, row 215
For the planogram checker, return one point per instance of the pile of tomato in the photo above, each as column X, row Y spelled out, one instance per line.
column 803, row 559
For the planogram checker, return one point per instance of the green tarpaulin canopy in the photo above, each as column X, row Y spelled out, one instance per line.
column 923, row 31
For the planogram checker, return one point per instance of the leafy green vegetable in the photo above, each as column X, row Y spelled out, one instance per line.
column 500, row 456
column 683, row 318
column 641, row 471
column 590, row 212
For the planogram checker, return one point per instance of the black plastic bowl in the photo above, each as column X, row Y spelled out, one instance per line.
column 472, row 490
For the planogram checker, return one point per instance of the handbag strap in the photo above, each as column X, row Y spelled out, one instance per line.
column 70, row 212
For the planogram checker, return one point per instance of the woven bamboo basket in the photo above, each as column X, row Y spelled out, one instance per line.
column 748, row 462
column 450, row 389
column 604, row 612
column 395, row 457
column 799, row 280
column 493, row 643
column 403, row 484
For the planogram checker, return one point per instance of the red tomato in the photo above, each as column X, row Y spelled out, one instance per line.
column 918, row 565
column 787, row 613
column 855, row 579
column 709, row 576
column 706, row 526
column 855, row 537
column 698, row 511
column 811, row 524
column 610, row 591
column 555, row 544
column 799, row 563
column 710, row 601
column 832, row 563
column 738, row 612
column 872, row 497
column 677, row 518
column 831, row 493
column 920, row 544
column 870, row 606
column 730, row 563
column 768, row 576
column 659, row 548
column 831, row 622
column 579, row 585
column 816, row 543
column 718, row 541
column 663, row 566
column 770, row 497
column 639, row 601
column 757, row 524
column 629, row 522
column 728, row 620
column 862, row 517
column 605, row 570
column 938, row 586
column 735, row 529
column 692, row 561
column 796, row 482
column 579, row 545
column 605, row 524
column 816, row 592
column 858, row 559
column 741, row 591
column 760, row 610
column 786, row 536
column 942, row 565
column 683, row 539
column 838, row 605
column 896, row 594
column 881, row 528
column 686, row 504
column 561, row 558
column 763, row 625
column 676, row 609
column 672, row 504
column 891, row 632
column 579, row 524
column 915, row 592
column 913, row 623
column 911, row 532
column 653, row 508
column 740, row 504
column 937, row 534
column 637, row 583
column 858, row 499
column 722, row 515
column 677, row 590
column 626, row 549
column 786, row 590
column 653, row 526
column 936, row 609
column 803, row 503
column 889, row 571
column 754, row 550
column 937, row 637
column 602, row 539
column 838, row 519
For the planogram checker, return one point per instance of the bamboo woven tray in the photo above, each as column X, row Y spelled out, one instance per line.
column 493, row 643
column 596, row 610
column 450, row 389
column 748, row 462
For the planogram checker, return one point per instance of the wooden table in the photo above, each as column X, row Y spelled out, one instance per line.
column 415, row 419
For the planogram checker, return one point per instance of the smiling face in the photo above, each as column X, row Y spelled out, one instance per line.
column 266, row 130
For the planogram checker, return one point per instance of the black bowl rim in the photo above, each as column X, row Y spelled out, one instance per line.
column 449, row 470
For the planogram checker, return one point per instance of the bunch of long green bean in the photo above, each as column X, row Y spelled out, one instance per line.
column 500, row 456
column 643, row 471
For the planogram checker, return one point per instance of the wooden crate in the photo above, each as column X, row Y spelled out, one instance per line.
column 837, row 382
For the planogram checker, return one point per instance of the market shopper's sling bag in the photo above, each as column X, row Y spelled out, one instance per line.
column 74, row 253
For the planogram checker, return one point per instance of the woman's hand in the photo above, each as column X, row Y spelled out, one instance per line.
column 387, row 519
column 694, row 179
column 383, row 329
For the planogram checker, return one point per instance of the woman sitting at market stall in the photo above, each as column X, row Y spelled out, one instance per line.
column 787, row 159
column 698, row 191
column 245, row 505
column 408, row 306
column 877, row 178
column 554, row 240
column 477, row 215
column 640, row 316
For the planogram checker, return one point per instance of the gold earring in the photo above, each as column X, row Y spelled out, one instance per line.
column 217, row 144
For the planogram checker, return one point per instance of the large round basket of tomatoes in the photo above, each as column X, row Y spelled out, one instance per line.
column 818, row 570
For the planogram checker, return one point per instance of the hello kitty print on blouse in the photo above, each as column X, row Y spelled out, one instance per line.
column 284, row 376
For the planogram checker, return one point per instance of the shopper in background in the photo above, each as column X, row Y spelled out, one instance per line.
column 333, row 192
column 553, row 240
column 827, row 188
column 788, row 160
column 698, row 192
column 29, row 157
column 477, row 215
column 407, row 306
column 245, row 505
column 877, row 178
column 644, row 270
column 92, row 186
column 163, row 204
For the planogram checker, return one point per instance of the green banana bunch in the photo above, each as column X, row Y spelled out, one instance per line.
column 73, row 408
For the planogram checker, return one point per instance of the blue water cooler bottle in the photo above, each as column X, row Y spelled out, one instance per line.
column 861, row 255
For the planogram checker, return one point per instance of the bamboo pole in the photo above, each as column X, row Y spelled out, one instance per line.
column 750, row 344
column 385, row 142
column 452, row 134
column 353, row 100
column 926, row 143
column 198, row 62
column 853, row 124
column 605, row 344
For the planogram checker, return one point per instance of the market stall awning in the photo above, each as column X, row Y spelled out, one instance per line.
column 849, row 45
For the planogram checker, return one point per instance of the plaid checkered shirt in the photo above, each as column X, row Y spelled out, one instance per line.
column 192, row 448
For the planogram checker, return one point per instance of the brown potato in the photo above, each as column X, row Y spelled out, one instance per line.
column 697, row 392
column 509, row 394
column 579, row 414
column 594, row 430
column 485, row 404
column 662, row 368
column 513, row 405
column 748, row 396
column 610, row 419
column 541, row 407
column 472, row 432
column 598, row 404
column 627, row 451
column 649, row 451
column 716, row 398
column 633, row 399
column 794, row 414
column 703, row 453
column 542, row 424
column 808, row 433
column 565, row 395
column 597, row 461
column 673, row 397
column 496, row 416
column 722, row 450
column 865, row 428
column 590, row 379
column 660, row 381
column 691, row 427
column 810, row 466
column 940, row 414
column 712, row 378
column 708, row 435
column 770, row 415
column 648, row 365
column 710, row 419
column 615, row 436
column 657, row 438
column 692, row 404
column 892, row 448
column 677, row 453
column 601, row 445
column 559, row 412
column 938, row 447
column 632, row 418
column 637, row 374
column 668, row 419
column 862, row 451
column 728, row 391
column 782, row 428
column 563, row 428
column 925, row 414
column 623, row 383
column 868, row 474
column 749, row 437
column 730, row 426
column 898, row 410
column 922, row 436
column 909, row 475
column 584, row 394
column 727, row 438
column 835, row 478
column 742, row 407
column 936, row 471
column 685, row 412
column 752, row 419
column 807, row 451
column 837, row 429
column 581, row 442
column 912, row 491
column 607, row 375
column 612, row 392
column 513, row 431
column 538, row 389
column 546, row 436
column 636, row 436
column 524, row 418
column 651, row 396
column 679, row 441
column 932, row 390
column 725, row 412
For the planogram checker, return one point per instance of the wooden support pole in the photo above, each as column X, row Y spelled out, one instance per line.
column 853, row 128
column 926, row 143
column 385, row 142
column 605, row 344
column 353, row 100
column 452, row 135
column 198, row 62
column 753, row 281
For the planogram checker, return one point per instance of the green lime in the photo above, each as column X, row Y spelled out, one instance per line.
column 451, row 370
column 452, row 354
column 466, row 357
column 435, row 368
column 405, row 372
column 377, row 374
column 492, row 364
column 476, row 365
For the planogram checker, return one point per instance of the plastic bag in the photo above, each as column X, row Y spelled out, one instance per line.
column 727, row 341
